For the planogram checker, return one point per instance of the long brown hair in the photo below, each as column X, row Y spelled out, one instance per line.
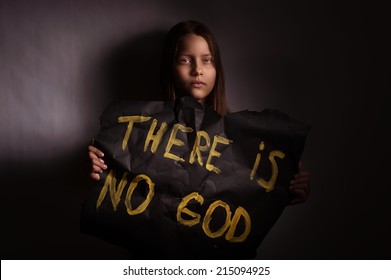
column 216, row 99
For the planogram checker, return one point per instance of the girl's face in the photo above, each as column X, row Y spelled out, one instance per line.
column 194, row 70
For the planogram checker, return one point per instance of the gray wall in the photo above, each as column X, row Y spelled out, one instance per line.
column 322, row 63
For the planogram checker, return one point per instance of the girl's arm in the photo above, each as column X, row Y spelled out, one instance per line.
column 97, row 163
column 300, row 186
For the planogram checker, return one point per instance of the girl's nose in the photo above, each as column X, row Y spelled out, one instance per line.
column 196, row 69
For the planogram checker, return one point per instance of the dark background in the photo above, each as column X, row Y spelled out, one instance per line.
column 324, row 63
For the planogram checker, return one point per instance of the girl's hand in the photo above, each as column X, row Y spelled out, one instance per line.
column 97, row 163
column 300, row 186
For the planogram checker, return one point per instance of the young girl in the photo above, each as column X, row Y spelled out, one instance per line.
column 191, row 66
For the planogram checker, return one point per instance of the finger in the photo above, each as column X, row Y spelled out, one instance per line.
column 302, row 174
column 301, row 187
column 299, row 197
column 97, row 169
column 95, row 176
column 95, row 151
column 300, row 180
column 300, row 194
column 300, row 166
column 92, row 155
column 300, row 183
column 99, row 163
column 303, row 177
column 301, row 191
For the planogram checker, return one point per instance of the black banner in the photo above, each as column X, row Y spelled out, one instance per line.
column 185, row 183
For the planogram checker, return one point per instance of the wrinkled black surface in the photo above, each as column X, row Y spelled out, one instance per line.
column 155, row 233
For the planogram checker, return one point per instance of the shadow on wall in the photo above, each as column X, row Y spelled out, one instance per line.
column 42, row 199
column 131, row 70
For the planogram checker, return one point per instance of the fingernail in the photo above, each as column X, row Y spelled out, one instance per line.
column 101, row 160
column 105, row 166
column 102, row 154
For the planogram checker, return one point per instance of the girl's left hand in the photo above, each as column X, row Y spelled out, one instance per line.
column 300, row 186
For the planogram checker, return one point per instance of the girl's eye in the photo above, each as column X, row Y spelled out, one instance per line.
column 184, row 60
column 208, row 60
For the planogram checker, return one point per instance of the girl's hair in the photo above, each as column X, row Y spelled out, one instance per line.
column 216, row 99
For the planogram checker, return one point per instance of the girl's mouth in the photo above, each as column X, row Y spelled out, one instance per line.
column 197, row 84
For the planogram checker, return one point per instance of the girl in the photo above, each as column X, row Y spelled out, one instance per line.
column 191, row 66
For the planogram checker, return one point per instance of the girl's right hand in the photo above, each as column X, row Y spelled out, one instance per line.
column 97, row 163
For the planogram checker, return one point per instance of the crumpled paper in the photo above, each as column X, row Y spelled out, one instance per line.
column 210, row 187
